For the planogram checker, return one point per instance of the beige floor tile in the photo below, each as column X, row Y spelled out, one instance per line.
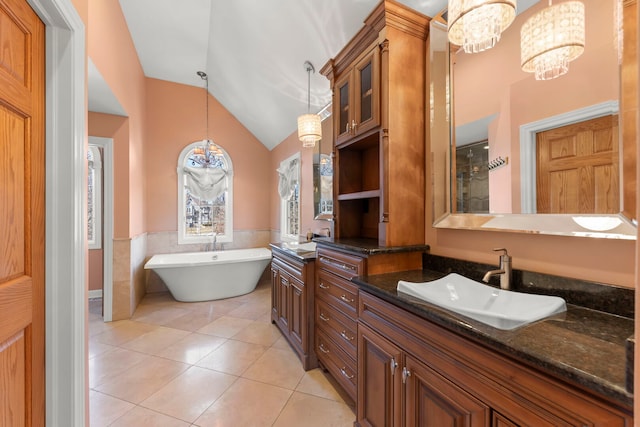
column 96, row 348
column 103, row 409
column 264, row 334
column 251, row 310
column 187, row 396
column 158, row 315
column 193, row 321
column 282, row 343
column 108, row 365
column 225, row 326
column 312, row 411
column 143, row 417
column 137, row 384
column 315, row 382
column 246, row 403
column 124, row 331
column 276, row 367
column 233, row 357
column 217, row 307
column 156, row 341
column 192, row 348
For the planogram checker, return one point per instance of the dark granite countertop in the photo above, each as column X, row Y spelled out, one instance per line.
column 366, row 246
column 583, row 346
column 300, row 254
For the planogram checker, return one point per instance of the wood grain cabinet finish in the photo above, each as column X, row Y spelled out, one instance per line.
column 412, row 372
column 292, row 304
column 336, row 304
column 379, row 86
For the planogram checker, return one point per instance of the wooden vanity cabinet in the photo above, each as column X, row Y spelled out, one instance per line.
column 335, row 315
column 292, row 303
column 379, row 98
column 414, row 373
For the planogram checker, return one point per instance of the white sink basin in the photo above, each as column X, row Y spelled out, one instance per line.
column 494, row 307
column 302, row 247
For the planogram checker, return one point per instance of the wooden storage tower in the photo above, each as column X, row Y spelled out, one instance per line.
column 379, row 98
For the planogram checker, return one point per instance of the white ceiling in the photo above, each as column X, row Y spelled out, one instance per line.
column 252, row 50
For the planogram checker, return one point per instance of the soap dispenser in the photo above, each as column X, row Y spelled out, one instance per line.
column 309, row 235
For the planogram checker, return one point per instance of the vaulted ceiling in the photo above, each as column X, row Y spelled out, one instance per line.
column 252, row 50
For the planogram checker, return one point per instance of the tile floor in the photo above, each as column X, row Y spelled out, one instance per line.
column 216, row 363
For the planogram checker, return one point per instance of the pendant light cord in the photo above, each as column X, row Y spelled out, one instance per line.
column 204, row 77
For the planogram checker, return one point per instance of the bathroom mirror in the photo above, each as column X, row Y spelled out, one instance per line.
column 323, row 181
column 485, row 107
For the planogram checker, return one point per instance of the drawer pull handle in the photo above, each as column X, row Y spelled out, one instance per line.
column 344, row 298
column 338, row 264
column 405, row 374
column 393, row 365
column 323, row 317
column 323, row 286
column 343, row 371
column 322, row 349
column 344, row 335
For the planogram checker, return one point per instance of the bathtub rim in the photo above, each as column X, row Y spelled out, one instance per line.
column 261, row 254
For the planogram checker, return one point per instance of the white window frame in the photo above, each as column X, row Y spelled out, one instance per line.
column 227, row 236
column 284, row 220
column 96, row 242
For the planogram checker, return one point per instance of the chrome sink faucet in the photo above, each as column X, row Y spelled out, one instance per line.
column 504, row 272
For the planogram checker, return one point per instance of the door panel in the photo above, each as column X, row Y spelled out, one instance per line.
column 22, row 186
column 577, row 168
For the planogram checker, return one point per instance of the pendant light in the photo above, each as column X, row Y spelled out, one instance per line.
column 205, row 155
column 476, row 25
column 309, row 125
column 552, row 38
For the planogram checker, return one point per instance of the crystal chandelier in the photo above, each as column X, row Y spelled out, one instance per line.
column 309, row 125
column 552, row 38
column 208, row 154
column 476, row 25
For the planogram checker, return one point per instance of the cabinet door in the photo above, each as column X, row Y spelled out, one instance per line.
column 366, row 103
column 433, row 401
column 283, row 298
column 343, row 103
column 379, row 380
column 275, row 295
column 297, row 313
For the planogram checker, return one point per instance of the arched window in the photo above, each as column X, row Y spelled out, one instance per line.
column 94, row 197
column 205, row 194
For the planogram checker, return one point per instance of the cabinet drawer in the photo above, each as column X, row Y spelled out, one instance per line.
column 340, row 328
column 338, row 363
column 337, row 292
column 341, row 264
column 295, row 269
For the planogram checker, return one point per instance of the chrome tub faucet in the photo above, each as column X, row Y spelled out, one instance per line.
column 504, row 271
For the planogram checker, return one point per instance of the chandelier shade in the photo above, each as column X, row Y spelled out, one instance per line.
column 552, row 38
column 309, row 129
column 476, row 25
column 309, row 125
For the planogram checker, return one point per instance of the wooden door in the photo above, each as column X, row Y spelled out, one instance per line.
column 379, row 380
column 577, row 168
column 298, row 313
column 433, row 401
column 22, row 186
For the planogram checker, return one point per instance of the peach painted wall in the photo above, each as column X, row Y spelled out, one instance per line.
column 95, row 269
column 176, row 118
column 117, row 128
column 284, row 150
column 112, row 51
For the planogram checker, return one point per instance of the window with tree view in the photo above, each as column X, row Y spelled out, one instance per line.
column 205, row 192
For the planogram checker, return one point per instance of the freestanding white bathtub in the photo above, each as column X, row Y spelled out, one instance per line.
column 204, row 276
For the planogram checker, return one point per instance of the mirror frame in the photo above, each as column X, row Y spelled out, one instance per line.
column 441, row 162
column 317, row 183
